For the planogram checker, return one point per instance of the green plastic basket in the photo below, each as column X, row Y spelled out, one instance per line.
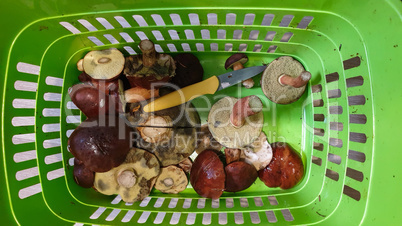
column 345, row 126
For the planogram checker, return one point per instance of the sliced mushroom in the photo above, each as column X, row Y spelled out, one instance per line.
column 104, row 64
column 132, row 180
column 171, row 180
column 206, row 140
column 186, row 165
column 259, row 153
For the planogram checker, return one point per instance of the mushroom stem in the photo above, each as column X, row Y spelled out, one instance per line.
column 155, row 129
column 237, row 66
column 127, row 178
column 244, row 108
column 248, row 83
column 148, row 53
column 295, row 82
column 168, row 182
column 137, row 94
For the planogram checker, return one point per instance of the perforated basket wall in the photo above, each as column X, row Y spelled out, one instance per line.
column 341, row 125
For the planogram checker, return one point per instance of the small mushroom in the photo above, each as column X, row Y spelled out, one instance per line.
column 90, row 100
column 80, row 65
column 82, row 175
column 232, row 155
column 104, row 64
column 259, row 153
column 206, row 140
column 171, row 180
column 149, row 67
column 132, row 180
column 219, row 122
column 237, row 61
column 186, row 165
column 188, row 70
column 239, row 176
column 284, row 80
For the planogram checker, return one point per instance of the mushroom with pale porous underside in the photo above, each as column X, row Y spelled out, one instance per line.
column 237, row 61
column 149, row 68
column 259, row 153
column 236, row 123
column 171, row 180
column 103, row 64
column 284, row 80
column 206, row 140
column 133, row 180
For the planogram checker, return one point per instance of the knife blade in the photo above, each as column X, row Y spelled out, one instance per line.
column 208, row 86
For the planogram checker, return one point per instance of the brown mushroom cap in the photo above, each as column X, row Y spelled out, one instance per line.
column 235, row 58
column 171, row 180
column 276, row 92
column 132, row 180
column 188, row 70
column 225, row 133
column 104, row 64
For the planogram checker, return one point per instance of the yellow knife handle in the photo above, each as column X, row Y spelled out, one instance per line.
column 208, row 86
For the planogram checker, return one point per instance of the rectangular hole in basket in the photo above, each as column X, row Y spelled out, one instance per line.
column 332, row 174
column 95, row 40
column 332, row 77
column 126, row 37
column 243, row 202
column 214, row 46
column 116, row 200
column 286, row 37
column 158, row 35
column 358, row 137
column 70, row 27
column 113, row 215
column 200, row 47
column 173, row 203
column 191, row 218
column 316, row 88
column 305, row 21
column 176, row 20
column 145, row 202
column 29, row 191
column 97, row 213
column 24, row 156
column 221, row 34
column 158, row 48
column 50, row 159
column 237, row 34
column 54, row 81
column 69, row 132
column 318, row 146
column 228, row 47
column 358, row 119
column 243, row 47
column 87, row 25
column 238, row 217
column 73, row 119
column 159, row 202
column 130, row 50
column 140, row 20
column 267, row 19
column 206, row 219
column 272, row 49
column 129, row 215
column 271, row 216
column 318, row 103
column 71, row 161
column 144, row 217
column 254, row 35
column 351, row 192
column 249, row 19
column 175, row 218
column 356, row 100
column 357, row 156
column 23, row 138
column 351, row 63
column 223, row 218
column 104, row 23
column 185, row 47
column 142, row 36
column 111, row 39
column 194, row 19
column 159, row 218
column 334, row 93
column 319, row 117
column 26, row 173
column 52, row 97
column 174, row 35
column 229, row 203
column 335, row 142
column 272, row 200
column 54, row 174
column 319, row 132
column 334, row 158
column 336, row 110
column 355, row 81
column 230, row 19
column 338, row 126
column 187, row 203
column 257, row 48
column 212, row 19
column 255, row 218
column 70, row 105
column 258, row 201
column 189, row 34
column 215, row 203
column 122, row 21
column 23, row 121
column 286, row 20
column 28, row 68
column 171, row 47
column 158, row 20
column 48, row 128
column 287, row 215
column 316, row 160
column 270, row 36
column 78, row 224
column 205, row 34
column 354, row 174
column 201, row 204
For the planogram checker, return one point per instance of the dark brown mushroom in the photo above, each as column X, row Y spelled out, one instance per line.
column 188, row 70
column 237, row 61
column 239, row 176
column 82, row 175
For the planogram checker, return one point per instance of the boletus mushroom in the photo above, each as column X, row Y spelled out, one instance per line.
column 239, row 176
column 186, row 165
column 259, row 153
column 285, row 170
column 188, row 70
column 103, row 64
column 236, row 123
column 149, row 67
column 206, row 140
column 237, row 61
column 284, row 80
column 133, row 179
column 171, row 180
column 82, row 175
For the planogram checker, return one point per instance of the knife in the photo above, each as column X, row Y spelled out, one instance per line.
column 208, row 86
